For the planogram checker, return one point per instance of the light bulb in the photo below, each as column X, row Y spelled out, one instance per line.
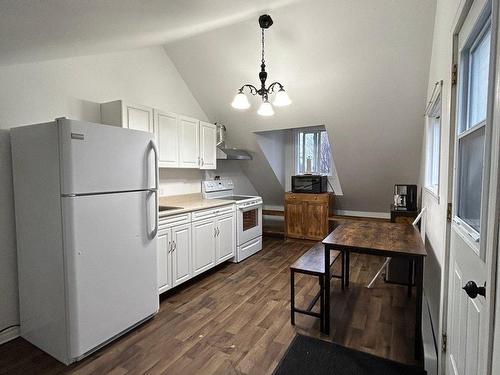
column 281, row 99
column 240, row 101
column 266, row 109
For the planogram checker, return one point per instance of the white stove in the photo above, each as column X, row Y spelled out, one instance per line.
column 248, row 216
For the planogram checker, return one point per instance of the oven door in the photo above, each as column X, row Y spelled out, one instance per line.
column 249, row 223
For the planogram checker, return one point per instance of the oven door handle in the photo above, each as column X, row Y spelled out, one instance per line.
column 250, row 208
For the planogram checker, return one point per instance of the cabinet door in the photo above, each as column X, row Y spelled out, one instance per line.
column 163, row 261
column 167, row 135
column 189, row 142
column 181, row 254
column 208, row 148
column 316, row 225
column 203, row 245
column 137, row 117
column 293, row 219
column 226, row 237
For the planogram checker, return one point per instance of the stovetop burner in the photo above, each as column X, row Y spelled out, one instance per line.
column 236, row 197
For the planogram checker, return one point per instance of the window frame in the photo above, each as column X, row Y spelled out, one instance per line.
column 433, row 115
column 317, row 130
column 463, row 130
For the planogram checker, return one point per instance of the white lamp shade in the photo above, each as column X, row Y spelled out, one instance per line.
column 281, row 99
column 240, row 101
column 266, row 109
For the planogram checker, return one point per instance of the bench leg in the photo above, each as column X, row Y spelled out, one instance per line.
column 347, row 256
column 322, row 302
column 410, row 277
column 292, row 297
column 342, row 272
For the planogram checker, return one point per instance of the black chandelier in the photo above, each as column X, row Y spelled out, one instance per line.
column 281, row 97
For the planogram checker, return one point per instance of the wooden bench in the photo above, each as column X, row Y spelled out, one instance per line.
column 312, row 263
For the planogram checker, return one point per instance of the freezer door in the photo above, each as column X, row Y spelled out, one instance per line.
column 110, row 266
column 98, row 158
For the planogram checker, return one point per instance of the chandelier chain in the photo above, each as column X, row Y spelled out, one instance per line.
column 263, row 46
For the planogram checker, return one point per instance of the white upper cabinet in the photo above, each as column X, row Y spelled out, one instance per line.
column 127, row 115
column 167, row 136
column 208, row 145
column 189, row 142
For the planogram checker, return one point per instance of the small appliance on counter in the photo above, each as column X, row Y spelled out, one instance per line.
column 309, row 183
column 405, row 197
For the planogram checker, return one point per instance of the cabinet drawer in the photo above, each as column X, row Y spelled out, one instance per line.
column 212, row 212
column 170, row 221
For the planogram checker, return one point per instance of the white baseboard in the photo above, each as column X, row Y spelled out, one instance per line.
column 375, row 215
column 9, row 334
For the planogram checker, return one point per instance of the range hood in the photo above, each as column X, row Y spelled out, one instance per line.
column 224, row 153
column 227, row 153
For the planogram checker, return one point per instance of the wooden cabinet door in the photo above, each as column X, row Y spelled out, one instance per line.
column 167, row 135
column 164, row 267
column 138, row 117
column 316, row 225
column 181, row 254
column 189, row 142
column 226, row 237
column 204, row 243
column 294, row 211
column 208, row 147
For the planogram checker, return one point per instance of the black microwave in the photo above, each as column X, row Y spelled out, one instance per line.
column 309, row 184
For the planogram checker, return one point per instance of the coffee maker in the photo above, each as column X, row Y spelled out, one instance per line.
column 405, row 197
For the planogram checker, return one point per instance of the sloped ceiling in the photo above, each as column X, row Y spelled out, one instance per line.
column 359, row 67
column 35, row 30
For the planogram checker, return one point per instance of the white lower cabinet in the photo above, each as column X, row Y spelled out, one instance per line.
column 164, row 262
column 187, row 248
column 226, row 237
column 181, row 254
column 204, row 233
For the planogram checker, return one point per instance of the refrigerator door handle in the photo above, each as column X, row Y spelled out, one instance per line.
column 155, row 190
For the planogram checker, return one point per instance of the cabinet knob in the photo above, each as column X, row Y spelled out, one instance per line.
column 473, row 290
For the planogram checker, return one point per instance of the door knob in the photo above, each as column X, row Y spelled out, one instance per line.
column 473, row 290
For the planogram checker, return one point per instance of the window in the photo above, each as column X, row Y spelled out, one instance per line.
column 471, row 130
column 313, row 145
column 433, row 141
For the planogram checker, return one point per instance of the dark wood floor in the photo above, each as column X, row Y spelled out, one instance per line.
column 236, row 320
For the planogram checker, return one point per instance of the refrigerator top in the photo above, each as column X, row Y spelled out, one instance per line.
column 96, row 158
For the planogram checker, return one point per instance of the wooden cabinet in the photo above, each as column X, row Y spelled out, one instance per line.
column 167, row 137
column 204, row 245
column 189, row 142
column 226, row 237
column 127, row 115
column 181, row 254
column 306, row 215
column 208, row 145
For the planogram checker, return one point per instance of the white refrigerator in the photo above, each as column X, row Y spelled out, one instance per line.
column 86, row 199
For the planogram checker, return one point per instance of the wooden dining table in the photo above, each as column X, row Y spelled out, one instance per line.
column 382, row 239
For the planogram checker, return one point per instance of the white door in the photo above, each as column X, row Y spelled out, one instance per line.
column 167, row 134
column 204, row 233
column 98, row 158
column 137, row 117
column 189, row 142
column 226, row 237
column 110, row 266
column 181, row 254
column 468, row 311
column 163, row 259
column 208, row 147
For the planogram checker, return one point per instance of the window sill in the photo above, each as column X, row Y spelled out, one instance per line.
column 430, row 191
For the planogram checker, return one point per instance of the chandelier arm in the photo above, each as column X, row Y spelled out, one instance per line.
column 272, row 86
column 253, row 90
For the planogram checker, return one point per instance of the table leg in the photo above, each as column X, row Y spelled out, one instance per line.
column 347, row 257
column 292, row 297
column 326, row 282
column 419, row 282
column 410, row 277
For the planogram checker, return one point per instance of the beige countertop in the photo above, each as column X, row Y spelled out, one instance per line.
column 189, row 203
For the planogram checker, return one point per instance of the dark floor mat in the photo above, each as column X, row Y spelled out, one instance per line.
column 307, row 355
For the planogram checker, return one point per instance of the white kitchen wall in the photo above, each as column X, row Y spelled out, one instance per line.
column 74, row 87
